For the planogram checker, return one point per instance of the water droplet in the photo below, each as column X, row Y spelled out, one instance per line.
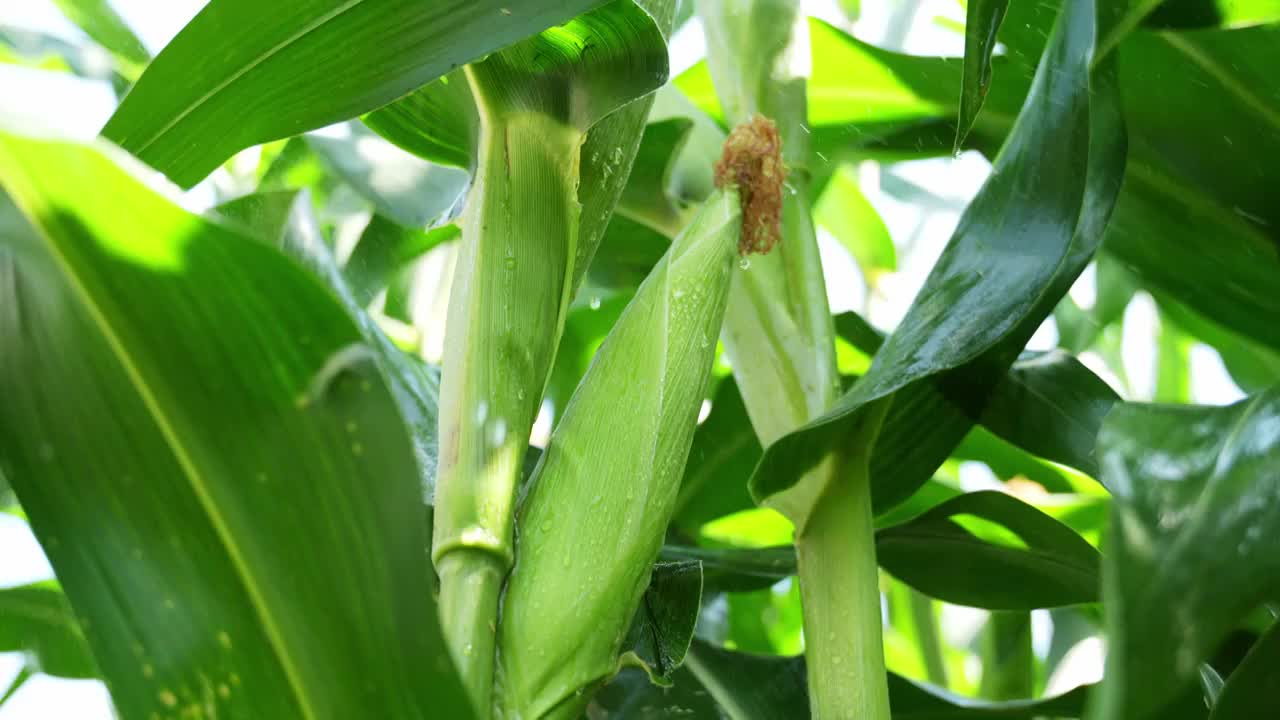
column 357, row 449
column 352, row 426
column 466, row 649
column 167, row 698
column 677, row 293
column 520, row 394
column 148, row 670
column 510, row 263
column 744, row 262
column 595, row 303
column 224, row 692
column 482, row 412
column 224, row 640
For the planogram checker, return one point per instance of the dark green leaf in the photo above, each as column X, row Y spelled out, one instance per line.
column 1012, row 557
column 37, row 619
column 663, row 626
column 758, row 687
column 982, row 21
column 244, row 72
column 1188, row 14
column 725, row 450
column 1252, row 365
column 1250, row 690
column 284, row 220
column 1189, row 553
column 990, row 290
column 209, row 456
column 984, row 549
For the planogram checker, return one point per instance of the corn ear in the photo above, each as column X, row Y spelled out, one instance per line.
column 599, row 502
column 523, row 238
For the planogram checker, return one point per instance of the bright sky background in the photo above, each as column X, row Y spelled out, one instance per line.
column 81, row 107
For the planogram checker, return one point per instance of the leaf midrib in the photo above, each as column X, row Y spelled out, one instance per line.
column 255, row 62
column 189, row 469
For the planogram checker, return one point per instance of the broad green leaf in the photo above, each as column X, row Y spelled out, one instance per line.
column 596, row 509
column 244, row 72
column 982, row 21
column 1250, row 689
column 37, row 620
column 437, row 122
column 212, row 468
column 1047, row 404
column 757, row 687
column 101, row 23
column 990, row 289
column 412, row 192
column 1198, row 172
column 1188, row 554
column 284, row 220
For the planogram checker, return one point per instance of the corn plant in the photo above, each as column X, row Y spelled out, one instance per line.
column 500, row 378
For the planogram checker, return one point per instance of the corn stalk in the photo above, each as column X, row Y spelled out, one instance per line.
column 779, row 337
column 526, row 238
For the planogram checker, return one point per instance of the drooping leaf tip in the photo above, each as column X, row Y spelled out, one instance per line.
column 752, row 162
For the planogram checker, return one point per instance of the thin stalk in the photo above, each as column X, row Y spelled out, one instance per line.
column 926, row 626
column 1008, row 662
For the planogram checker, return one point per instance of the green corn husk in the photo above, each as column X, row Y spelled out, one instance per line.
column 599, row 502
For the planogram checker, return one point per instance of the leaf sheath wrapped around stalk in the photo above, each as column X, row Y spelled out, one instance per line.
column 600, row 500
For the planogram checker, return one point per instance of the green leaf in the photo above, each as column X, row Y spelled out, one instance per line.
column 212, row 468
column 243, row 73
column 725, row 450
column 988, row 549
column 385, row 248
column 1198, row 171
column 982, row 22
column 284, row 220
column 411, row 192
column 1017, row 250
column 1252, row 365
column 101, row 23
column 845, row 212
column 984, row 549
column 1190, row 14
column 758, row 687
column 37, row 619
column 1250, row 689
column 437, row 122
column 1188, row 551
column 663, row 626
